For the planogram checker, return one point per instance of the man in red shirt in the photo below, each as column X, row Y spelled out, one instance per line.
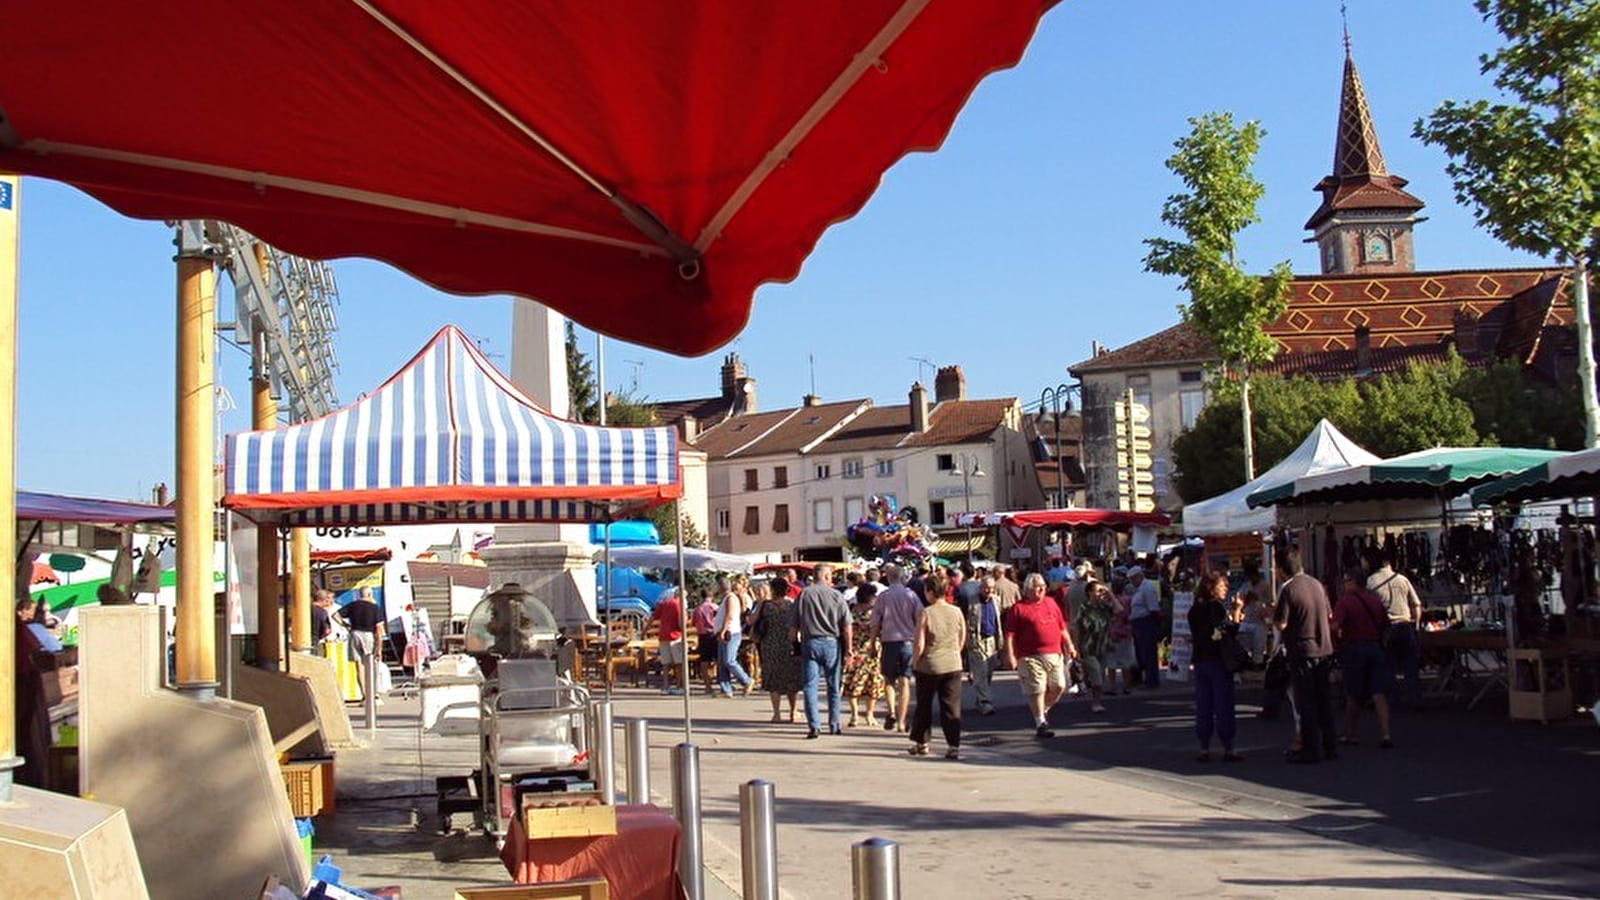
column 668, row 615
column 1038, row 646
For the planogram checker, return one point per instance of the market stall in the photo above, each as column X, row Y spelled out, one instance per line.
column 1018, row 527
column 1415, row 510
column 1563, row 624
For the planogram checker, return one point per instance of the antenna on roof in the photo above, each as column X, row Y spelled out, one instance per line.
column 921, row 362
column 811, row 360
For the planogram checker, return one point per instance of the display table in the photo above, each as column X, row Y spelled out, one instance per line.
column 639, row 861
column 1471, row 654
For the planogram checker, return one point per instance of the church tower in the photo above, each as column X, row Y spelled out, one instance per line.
column 1365, row 220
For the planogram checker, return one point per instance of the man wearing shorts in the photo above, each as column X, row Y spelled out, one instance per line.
column 1038, row 647
column 896, row 613
column 669, row 634
column 1359, row 621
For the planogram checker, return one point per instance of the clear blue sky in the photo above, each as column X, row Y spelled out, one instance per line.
column 1006, row 252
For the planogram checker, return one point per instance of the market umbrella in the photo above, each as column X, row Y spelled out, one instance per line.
column 1572, row 475
column 638, row 166
column 1440, row 472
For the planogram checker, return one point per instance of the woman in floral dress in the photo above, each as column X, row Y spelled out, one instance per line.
column 773, row 626
column 863, row 674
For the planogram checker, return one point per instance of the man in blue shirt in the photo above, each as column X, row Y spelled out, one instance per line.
column 983, row 642
column 1145, row 611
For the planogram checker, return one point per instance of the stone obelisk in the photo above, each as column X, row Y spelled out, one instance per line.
column 555, row 563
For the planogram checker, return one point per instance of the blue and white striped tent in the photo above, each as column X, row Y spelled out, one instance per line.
column 448, row 438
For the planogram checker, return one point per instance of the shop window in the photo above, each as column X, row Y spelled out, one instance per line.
column 936, row 513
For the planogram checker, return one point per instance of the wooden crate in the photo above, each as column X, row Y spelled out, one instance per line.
column 566, row 821
column 586, row 889
column 304, row 782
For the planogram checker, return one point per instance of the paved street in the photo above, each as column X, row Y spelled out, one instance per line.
column 1468, row 805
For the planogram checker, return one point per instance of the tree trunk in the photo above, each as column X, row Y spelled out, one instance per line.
column 1249, row 437
column 1580, row 311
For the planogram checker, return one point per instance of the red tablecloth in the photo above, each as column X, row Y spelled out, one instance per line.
column 639, row 862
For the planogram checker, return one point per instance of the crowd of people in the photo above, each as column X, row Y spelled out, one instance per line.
column 905, row 642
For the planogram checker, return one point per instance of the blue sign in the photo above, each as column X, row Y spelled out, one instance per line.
column 5, row 195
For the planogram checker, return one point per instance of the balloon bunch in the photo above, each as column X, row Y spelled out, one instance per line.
column 890, row 534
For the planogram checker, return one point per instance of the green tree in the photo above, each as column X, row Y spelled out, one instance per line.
column 1209, row 457
column 1226, row 304
column 1531, row 171
column 1414, row 409
column 1511, row 409
column 581, row 389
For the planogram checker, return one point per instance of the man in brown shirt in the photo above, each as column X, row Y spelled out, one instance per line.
column 1304, row 619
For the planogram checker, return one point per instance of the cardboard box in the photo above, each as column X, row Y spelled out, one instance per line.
column 586, row 889
column 566, row 821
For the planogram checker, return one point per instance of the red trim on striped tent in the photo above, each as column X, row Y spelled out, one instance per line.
column 455, row 494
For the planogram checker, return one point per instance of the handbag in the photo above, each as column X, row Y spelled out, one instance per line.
column 1276, row 676
column 1235, row 658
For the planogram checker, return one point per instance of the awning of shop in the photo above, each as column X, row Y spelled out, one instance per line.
column 666, row 557
column 640, row 167
column 958, row 545
column 1441, row 472
column 32, row 505
column 350, row 557
column 1571, row 475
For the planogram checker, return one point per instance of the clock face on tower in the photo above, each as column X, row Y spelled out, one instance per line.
column 1377, row 248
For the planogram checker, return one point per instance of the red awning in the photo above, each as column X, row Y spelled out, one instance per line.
column 1115, row 519
column 350, row 557
column 638, row 166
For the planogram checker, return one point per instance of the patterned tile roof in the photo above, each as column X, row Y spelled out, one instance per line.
column 1515, row 307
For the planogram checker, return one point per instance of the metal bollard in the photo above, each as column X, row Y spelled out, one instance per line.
column 686, row 806
column 758, row 839
column 875, row 869
column 638, row 740
column 605, row 751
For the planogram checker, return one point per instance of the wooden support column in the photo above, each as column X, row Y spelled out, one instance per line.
column 300, row 582
column 196, row 368
column 10, row 204
column 264, row 415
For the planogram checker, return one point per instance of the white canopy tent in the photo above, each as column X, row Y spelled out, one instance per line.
column 666, row 557
column 1324, row 450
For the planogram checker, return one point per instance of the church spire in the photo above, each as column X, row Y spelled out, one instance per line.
column 1355, row 152
column 1364, row 222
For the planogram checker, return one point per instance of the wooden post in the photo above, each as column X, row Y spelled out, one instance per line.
column 196, row 368
column 10, row 208
column 300, row 583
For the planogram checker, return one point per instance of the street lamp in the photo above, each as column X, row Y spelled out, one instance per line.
column 1060, row 402
column 967, row 468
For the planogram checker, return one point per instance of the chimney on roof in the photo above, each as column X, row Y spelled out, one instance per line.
column 738, row 388
column 919, row 408
column 811, row 400
column 159, row 495
column 688, row 429
column 949, row 384
column 1466, row 331
column 1095, row 349
column 1363, row 350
